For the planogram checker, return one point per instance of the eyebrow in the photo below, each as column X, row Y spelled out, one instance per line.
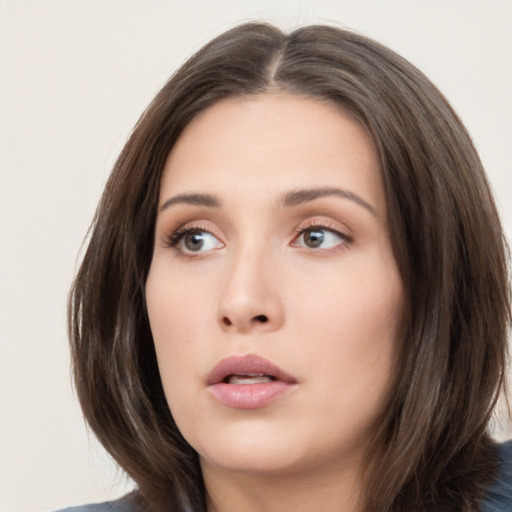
column 193, row 199
column 302, row 196
column 293, row 198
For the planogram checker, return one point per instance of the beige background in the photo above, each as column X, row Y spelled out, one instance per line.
column 74, row 77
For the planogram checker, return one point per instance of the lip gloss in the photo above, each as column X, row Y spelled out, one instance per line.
column 249, row 396
column 248, row 382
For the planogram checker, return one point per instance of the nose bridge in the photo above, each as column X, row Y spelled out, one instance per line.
column 250, row 297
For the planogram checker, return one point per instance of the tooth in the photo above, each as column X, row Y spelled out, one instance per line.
column 249, row 379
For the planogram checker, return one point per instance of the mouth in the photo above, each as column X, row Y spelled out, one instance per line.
column 248, row 382
column 248, row 378
column 247, row 369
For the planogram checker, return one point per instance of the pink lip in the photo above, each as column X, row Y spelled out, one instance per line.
column 248, row 396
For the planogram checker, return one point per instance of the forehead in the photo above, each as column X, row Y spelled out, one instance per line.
column 273, row 143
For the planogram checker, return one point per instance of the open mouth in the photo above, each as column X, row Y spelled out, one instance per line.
column 247, row 369
column 248, row 382
column 249, row 378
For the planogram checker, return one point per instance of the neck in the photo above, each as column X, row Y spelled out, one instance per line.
column 318, row 489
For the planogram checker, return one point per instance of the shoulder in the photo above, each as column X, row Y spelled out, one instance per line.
column 498, row 497
column 124, row 504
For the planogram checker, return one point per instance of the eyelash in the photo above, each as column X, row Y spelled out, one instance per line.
column 179, row 234
column 175, row 237
column 323, row 226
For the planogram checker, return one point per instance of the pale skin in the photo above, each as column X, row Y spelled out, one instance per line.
column 272, row 239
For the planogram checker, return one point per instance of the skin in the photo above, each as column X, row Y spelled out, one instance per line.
column 312, row 286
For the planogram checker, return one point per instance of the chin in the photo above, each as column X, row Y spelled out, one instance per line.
column 246, row 448
column 253, row 460
column 261, row 449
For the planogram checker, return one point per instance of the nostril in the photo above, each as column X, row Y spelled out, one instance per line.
column 262, row 319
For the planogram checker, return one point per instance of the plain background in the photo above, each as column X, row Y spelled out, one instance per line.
column 74, row 78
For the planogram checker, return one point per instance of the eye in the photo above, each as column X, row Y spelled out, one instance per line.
column 194, row 241
column 317, row 237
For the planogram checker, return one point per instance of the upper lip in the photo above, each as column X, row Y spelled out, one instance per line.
column 247, row 364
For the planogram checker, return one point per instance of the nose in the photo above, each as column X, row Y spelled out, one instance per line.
column 251, row 299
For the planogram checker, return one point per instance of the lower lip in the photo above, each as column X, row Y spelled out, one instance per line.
column 250, row 396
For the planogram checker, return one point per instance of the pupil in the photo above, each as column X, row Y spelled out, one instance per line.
column 314, row 238
column 194, row 241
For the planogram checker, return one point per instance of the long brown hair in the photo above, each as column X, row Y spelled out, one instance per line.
column 433, row 444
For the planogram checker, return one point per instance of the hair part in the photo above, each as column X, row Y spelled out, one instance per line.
column 431, row 447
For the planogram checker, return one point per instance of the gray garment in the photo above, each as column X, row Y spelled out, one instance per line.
column 498, row 497
column 124, row 504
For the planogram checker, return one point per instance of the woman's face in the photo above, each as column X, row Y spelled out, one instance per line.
column 273, row 295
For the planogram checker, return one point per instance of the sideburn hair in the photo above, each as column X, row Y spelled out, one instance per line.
column 432, row 448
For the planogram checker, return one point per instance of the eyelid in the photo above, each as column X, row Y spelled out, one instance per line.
column 324, row 225
column 172, row 237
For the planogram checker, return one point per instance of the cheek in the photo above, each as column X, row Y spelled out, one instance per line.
column 362, row 302
column 172, row 320
column 176, row 308
column 180, row 318
column 178, row 359
column 351, row 338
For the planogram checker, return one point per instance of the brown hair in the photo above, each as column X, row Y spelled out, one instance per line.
column 433, row 443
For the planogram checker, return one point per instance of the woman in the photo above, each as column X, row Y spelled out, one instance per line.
column 295, row 295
